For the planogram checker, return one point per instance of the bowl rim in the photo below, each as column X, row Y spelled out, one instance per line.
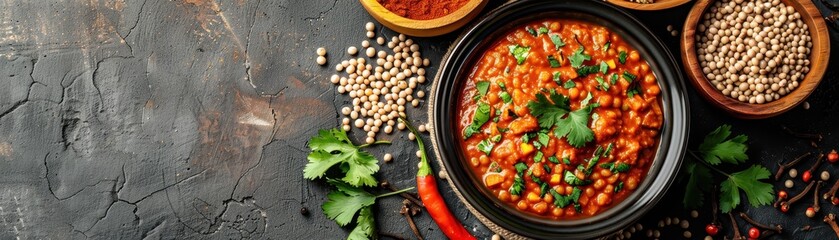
column 441, row 21
column 659, row 5
column 669, row 152
column 743, row 110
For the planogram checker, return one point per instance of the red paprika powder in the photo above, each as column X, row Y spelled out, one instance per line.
column 422, row 9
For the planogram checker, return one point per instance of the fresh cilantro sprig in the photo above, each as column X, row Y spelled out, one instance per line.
column 347, row 202
column 578, row 57
column 333, row 147
column 717, row 148
column 519, row 52
column 554, row 111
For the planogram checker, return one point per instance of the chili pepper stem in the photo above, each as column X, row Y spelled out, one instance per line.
column 395, row 192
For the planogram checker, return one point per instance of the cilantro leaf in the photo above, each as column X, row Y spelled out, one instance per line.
column 618, row 187
column 575, row 126
column 481, row 116
column 699, row 182
column 365, row 225
column 547, row 111
column 578, row 57
column 505, row 97
column 586, row 100
column 520, row 167
column 562, row 201
column 552, row 60
column 485, row 146
column 518, row 186
column 601, row 83
column 342, row 205
column 543, row 30
column 606, row 46
column 586, row 70
column 482, row 87
column 557, row 40
column 622, row 57
column 759, row 193
column 538, row 156
column 531, row 31
column 569, row 84
column 573, row 180
column 716, row 149
column 553, row 159
column 519, row 52
column 604, row 68
column 614, row 79
column 556, row 77
column 333, row 147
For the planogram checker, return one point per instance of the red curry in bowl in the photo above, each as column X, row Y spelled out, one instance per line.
column 560, row 118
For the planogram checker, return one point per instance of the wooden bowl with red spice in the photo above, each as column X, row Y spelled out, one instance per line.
column 423, row 18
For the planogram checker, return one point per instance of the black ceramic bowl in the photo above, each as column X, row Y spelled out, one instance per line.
column 458, row 63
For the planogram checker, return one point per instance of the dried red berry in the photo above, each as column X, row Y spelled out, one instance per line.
column 833, row 156
column 811, row 212
column 754, row 233
column 712, row 229
column 806, row 176
column 782, row 194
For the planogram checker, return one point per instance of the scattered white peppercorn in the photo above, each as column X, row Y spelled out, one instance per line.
column 388, row 157
column 788, row 183
column 352, row 50
column 411, row 136
column 694, row 214
column 684, row 224
column 687, row 234
column 369, row 26
column 321, row 60
column 825, row 175
column 793, row 173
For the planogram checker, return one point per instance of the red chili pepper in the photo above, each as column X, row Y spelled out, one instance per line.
column 431, row 198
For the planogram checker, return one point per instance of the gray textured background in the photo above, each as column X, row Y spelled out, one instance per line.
column 189, row 119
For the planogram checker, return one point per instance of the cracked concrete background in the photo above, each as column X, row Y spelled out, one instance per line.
column 168, row 119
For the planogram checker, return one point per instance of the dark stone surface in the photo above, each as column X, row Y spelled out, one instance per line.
column 189, row 119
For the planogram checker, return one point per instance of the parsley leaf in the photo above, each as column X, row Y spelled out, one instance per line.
column 333, row 147
column 485, row 146
column 538, row 156
column 553, row 159
column 698, row 183
column 342, row 205
column 562, row 201
column 552, row 60
column 759, row 193
column 622, row 57
column 482, row 87
column 717, row 149
column 578, row 57
column 502, row 85
column 519, row 52
column 558, row 43
column 629, row 77
column 569, row 84
column 481, row 116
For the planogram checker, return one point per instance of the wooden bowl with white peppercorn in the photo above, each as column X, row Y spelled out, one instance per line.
column 763, row 62
column 648, row 5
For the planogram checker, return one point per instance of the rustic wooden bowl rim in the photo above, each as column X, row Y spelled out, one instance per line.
column 658, row 5
column 818, row 65
column 444, row 20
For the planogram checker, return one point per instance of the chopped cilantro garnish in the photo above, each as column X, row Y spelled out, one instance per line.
column 558, row 43
column 538, row 156
column 604, row 68
column 566, row 160
column 586, row 100
column 601, row 84
column 531, row 31
column 481, row 116
column 519, row 52
column 552, row 60
column 586, row 70
column 629, row 77
column 553, row 159
column 622, row 57
column 569, row 84
column 614, row 79
column 543, row 138
column 573, row 180
column 485, row 146
column 333, row 147
column 543, row 30
column 520, row 167
column 578, row 57
column 570, row 124
column 505, row 97
column 562, row 201
column 547, row 168
column 496, row 138
column 502, row 86
column 518, row 182
column 482, row 87
column 556, row 77
column 606, row 46
column 619, row 187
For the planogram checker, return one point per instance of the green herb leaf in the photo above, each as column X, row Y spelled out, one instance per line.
column 505, row 97
column 578, row 57
column 496, row 138
column 566, row 160
column 556, row 77
column 585, row 70
column 485, row 146
column 604, row 68
column 531, row 31
column 619, row 187
column 333, row 147
column 575, row 127
column 699, row 182
column 602, row 83
column 562, row 201
column 569, row 84
column 716, row 149
column 342, row 205
column 629, row 77
column 548, row 112
column 586, row 100
column 606, row 46
column 553, row 159
column 552, row 60
column 543, row 30
column 502, row 86
column 621, row 168
column 520, row 53
column 538, row 156
column 365, row 225
column 543, row 138
column 557, row 40
column 573, row 180
column 622, row 57
column 614, row 79
column 481, row 116
column 483, row 87
column 759, row 193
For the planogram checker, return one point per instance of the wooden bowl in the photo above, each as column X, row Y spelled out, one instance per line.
column 424, row 28
column 658, row 5
column 819, row 54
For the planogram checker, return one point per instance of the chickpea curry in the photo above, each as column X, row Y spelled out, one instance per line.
column 560, row 118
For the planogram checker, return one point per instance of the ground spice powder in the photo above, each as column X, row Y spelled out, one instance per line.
column 422, row 9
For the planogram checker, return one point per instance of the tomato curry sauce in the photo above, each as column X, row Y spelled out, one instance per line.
column 560, row 118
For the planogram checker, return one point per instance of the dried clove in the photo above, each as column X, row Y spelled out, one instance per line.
column 777, row 228
column 783, row 167
column 405, row 212
column 830, row 219
column 816, row 196
column 766, row 234
column 785, row 204
column 832, row 194
column 737, row 235
column 807, row 175
column 815, row 137
column 412, row 208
